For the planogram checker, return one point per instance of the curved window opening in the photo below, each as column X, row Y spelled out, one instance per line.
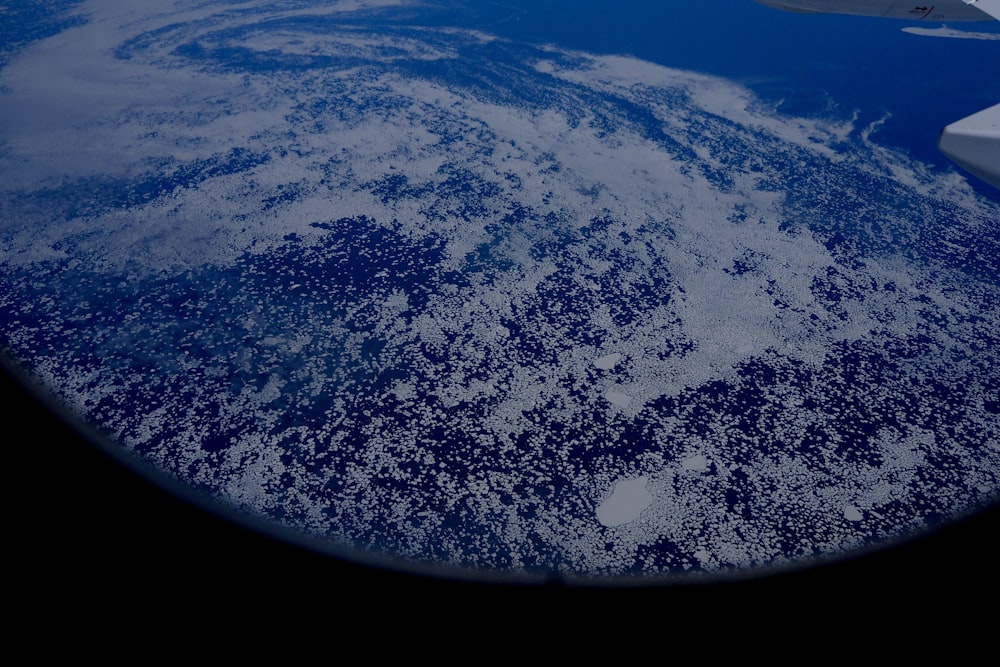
column 508, row 293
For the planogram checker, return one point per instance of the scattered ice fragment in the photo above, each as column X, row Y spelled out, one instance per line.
column 696, row 462
column 625, row 503
column 404, row 390
column 608, row 361
column 852, row 513
column 618, row 398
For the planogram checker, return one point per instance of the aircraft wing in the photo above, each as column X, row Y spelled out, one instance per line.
column 940, row 10
column 991, row 7
column 974, row 144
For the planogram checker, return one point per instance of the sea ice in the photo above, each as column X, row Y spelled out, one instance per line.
column 625, row 503
column 608, row 361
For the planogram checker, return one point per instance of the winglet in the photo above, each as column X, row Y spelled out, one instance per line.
column 991, row 7
column 974, row 144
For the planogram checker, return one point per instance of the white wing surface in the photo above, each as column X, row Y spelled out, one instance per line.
column 991, row 7
column 974, row 144
column 942, row 10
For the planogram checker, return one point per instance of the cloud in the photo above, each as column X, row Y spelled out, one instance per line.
column 944, row 31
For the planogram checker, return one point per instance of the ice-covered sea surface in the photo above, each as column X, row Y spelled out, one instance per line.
column 417, row 289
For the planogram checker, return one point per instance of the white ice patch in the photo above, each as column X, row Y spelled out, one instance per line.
column 697, row 462
column 608, row 361
column 852, row 513
column 621, row 399
column 626, row 502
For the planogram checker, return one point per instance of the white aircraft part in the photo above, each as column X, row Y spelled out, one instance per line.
column 991, row 7
column 974, row 144
column 941, row 10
